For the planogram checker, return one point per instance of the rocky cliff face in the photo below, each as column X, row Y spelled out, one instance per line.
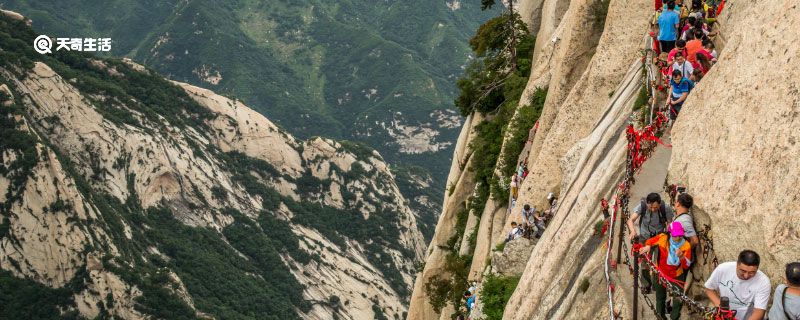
column 734, row 147
column 377, row 72
column 127, row 195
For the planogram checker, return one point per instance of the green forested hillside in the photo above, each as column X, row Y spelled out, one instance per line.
column 380, row 72
column 237, row 271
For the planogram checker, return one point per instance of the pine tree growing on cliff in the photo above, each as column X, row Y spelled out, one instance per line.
column 512, row 48
column 502, row 47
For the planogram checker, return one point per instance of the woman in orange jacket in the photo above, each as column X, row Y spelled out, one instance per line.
column 674, row 259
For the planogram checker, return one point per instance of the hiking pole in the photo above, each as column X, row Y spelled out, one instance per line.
column 635, row 280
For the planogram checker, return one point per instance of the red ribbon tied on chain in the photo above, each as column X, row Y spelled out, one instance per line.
column 647, row 134
column 724, row 315
column 661, row 274
column 604, row 229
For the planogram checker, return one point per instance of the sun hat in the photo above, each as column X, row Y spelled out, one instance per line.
column 676, row 229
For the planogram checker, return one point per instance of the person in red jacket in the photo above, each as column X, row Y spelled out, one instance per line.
column 674, row 259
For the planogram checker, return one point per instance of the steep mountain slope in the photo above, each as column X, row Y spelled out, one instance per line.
column 126, row 195
column 733, row 146
column 380, row 72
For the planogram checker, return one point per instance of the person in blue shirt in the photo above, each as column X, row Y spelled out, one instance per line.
column 470, row 300
column 680, row 87
column 668, row 27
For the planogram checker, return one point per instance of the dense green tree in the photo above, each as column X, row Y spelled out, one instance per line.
column 496, row 45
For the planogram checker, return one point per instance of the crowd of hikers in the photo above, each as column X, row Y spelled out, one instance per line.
column 684, row 50
column 685, row 53
column 670, row 238
column 533, row 222
column 666, row 234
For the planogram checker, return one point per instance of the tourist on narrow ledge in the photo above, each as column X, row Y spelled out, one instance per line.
column 525, row 169
column 683, row 203
column 552, row 200
column 470, row 300
column 678, row 92
column 743, row 284
column 786, row 304
column 668, row 27
column 687, row 26
column 651, row 215
column 697, row 75
column 680, row 64
column 708, row 51
column 674, row 258
column 697, row 10
column 527, row 214
column 538, row 221
column 703, row 64
column 514, row 187
column 694, row 45
column 680, row 46
column 515, row 233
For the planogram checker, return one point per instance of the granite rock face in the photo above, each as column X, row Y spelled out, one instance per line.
column 734, row 146
column 514, row 257
column 56, row 230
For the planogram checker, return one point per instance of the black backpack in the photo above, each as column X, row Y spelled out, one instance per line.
column 662, row 215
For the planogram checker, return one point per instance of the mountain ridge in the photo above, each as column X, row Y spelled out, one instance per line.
column 375, row 72
column 160, row 199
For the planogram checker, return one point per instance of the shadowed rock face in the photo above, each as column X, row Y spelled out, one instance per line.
column 83, row 211
column 464, row 182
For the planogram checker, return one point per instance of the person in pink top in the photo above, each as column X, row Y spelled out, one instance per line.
column 702, row 63
column 708, row 50
column 680, row 46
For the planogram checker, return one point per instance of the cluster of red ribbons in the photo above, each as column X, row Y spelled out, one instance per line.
column 663, row 277
column 604, row 229
column 604, row 206
column 724, row 315
column 637, row 137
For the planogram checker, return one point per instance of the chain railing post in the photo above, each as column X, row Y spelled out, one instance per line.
column 635, row 313
column 621, row 235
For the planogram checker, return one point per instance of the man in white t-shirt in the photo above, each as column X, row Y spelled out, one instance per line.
column 681, row 64
column 743, row 284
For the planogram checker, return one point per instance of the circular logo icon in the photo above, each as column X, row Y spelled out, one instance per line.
column 42, row 44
